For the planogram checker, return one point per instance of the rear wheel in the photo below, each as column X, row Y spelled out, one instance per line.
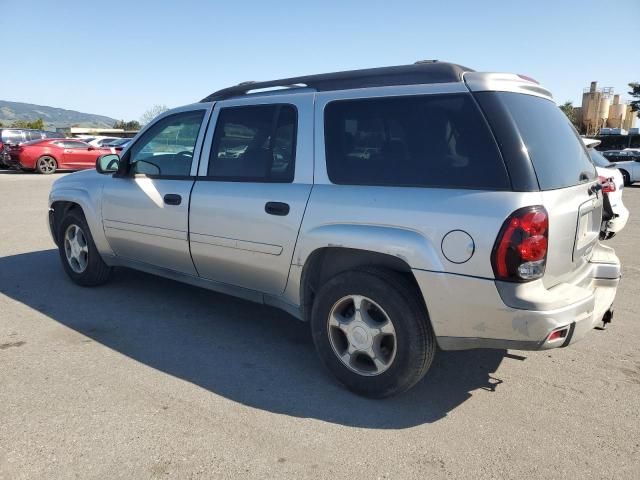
column 626, row 177
column 46, row 165
column 372, row 332
column 78, row 253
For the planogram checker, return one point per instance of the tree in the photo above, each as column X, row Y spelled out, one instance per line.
column 37, row 124
column 635, row 94
column 152, row 113
column 569, row 110
column 130, row 125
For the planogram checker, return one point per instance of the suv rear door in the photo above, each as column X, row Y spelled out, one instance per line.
column 249, row 199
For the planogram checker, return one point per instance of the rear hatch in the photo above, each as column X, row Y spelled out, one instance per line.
column 565, row 175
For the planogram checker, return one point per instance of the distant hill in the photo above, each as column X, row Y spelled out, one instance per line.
column 52, row 117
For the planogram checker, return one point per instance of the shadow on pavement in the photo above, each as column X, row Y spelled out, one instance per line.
column 249, row 353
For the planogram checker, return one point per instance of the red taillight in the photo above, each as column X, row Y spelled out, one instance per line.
column 608, row 186
column 520, row 251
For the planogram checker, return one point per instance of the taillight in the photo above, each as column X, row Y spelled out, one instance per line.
column 520, row 251
column 608, row 185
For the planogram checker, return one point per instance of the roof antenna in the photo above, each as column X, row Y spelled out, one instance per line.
column 420, row 62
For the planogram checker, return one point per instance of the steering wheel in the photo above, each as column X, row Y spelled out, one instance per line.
column 184, row 153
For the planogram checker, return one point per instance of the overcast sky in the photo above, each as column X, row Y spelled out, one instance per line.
column 119, row 58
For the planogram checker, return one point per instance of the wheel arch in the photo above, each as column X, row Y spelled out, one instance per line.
column 326, row 262
column 62, row 201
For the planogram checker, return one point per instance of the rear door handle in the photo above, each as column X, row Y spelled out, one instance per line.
column 172, row 199
column 277, row 208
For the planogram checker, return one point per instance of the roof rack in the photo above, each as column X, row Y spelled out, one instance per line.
column 424, row 71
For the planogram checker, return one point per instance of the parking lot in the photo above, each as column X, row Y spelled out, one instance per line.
column 149, row 378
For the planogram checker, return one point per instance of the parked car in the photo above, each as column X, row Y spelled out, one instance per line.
column 47, row 156
column 118, row 145
column 10, row 137
column 627, row 161
column 615, row 214
column 395, row 209
column 100, row 141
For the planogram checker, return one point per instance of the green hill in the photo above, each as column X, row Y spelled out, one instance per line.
column 52, row 117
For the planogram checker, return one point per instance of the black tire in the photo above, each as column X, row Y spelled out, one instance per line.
column 46, row 165
column 96, row 272
column 415, row 344
column 626, row 177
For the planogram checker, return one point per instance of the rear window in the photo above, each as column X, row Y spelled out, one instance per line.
column 422, row 141
column 555, row 148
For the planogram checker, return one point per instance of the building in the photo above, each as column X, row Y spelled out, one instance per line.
column 102, row 132
column 601, row 108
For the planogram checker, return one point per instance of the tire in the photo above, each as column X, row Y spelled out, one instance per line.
column 86, row 270
column 402, row 358
column 46, row 165
column 626, row 177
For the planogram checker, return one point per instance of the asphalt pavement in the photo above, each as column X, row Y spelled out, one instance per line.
column 148, row 378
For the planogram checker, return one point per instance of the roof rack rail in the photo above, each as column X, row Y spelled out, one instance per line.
column 431, row 71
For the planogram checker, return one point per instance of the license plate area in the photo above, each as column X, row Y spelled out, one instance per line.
column 588, row 229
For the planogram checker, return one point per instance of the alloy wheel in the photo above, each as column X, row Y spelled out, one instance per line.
column 362, row 335
column 76, row 248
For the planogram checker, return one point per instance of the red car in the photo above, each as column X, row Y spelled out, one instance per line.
column 48, row 155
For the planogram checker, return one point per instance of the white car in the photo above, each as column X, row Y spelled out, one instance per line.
column 100, row 140
column 613, row 189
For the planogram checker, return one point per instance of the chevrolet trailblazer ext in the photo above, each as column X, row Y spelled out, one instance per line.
column 396, row 209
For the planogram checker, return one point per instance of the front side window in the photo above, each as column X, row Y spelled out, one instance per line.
column 166, row 149
column 254, row 144
column 421, row 141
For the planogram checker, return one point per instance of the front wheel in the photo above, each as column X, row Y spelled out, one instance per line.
column 372, row 332
column 80, row 257
column 46, row 165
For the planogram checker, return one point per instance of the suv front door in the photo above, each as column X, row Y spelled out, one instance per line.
column 145, row 206
column 248, row 201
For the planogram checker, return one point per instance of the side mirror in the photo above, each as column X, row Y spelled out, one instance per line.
column 108, row 163
column 91, row 147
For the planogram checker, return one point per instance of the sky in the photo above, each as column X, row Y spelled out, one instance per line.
column 119, row 58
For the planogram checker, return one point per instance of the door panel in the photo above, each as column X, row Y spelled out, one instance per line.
column 234, row 240
column 260, row 152
column 146, row 211
column 141, row 226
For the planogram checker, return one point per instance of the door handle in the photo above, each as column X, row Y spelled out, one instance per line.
column 277, row 208
column 172, row 199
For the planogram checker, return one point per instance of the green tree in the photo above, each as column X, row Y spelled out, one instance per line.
column 152, row 113
column 569, row 110
column 130, row 125
column 635, row 94
column 37, row 124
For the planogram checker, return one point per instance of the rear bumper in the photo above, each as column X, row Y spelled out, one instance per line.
column 469, row 312
column 617, row 223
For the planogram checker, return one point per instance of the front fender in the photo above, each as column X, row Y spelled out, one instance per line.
column 89, row 199
column 408, row 245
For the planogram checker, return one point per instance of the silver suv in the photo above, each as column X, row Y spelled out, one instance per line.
column 396, row 209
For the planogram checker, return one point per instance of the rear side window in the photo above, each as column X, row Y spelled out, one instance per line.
column 555, row 148
column 254, row 144
column 422, row 141
column 34, row 135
